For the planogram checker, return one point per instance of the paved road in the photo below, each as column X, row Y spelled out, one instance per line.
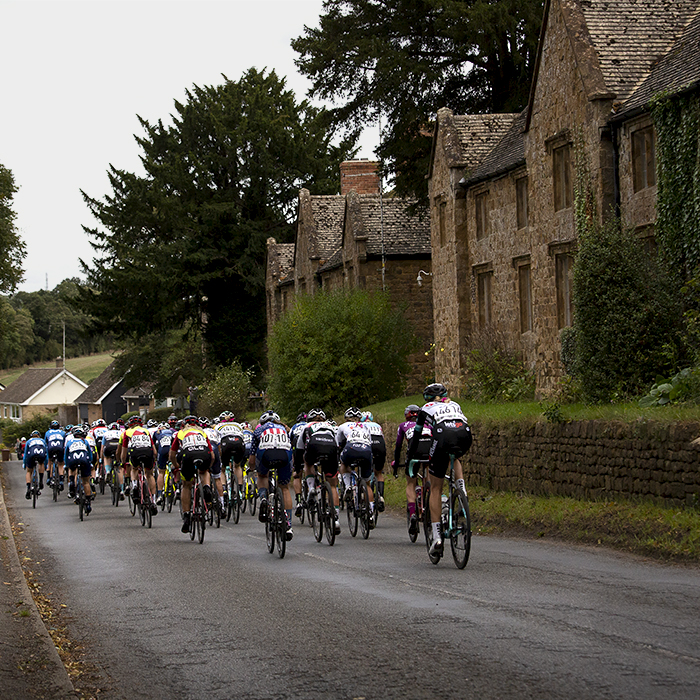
column 166, row 617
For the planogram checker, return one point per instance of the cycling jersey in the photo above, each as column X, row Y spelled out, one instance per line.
column 35, row 452
column 232, row 445
column 79, row 454
column 408, row 432
column 271, row 445
column 55, row 442
column 193, row 450
column 355, row 442
column 139, row 447
column 110, row 442
column 317, row 440
column 163, row 441
column 378, row 445
column 298, row 454
column 450, row 434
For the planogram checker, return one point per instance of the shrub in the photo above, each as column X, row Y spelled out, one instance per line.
column 335, row 349
column 494, row 371
column 627, row 320
column 227, row 390
column 11, row 430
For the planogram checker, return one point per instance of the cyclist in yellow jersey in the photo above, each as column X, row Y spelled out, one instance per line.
column 136, row 447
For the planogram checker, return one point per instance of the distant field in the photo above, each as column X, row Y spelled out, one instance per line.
column 85, row 368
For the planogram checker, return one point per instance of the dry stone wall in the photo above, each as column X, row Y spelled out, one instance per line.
column 585, row 459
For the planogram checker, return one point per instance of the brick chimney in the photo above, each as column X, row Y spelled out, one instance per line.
column 359, row 175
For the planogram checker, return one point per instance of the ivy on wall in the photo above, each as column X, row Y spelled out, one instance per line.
column 677, row 125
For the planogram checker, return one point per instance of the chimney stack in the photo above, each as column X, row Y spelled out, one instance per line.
column 359, row 175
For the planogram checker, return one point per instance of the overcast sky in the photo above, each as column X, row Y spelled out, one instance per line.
column 76, row 74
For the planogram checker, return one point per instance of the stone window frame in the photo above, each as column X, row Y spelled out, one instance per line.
column 440, row 204
column 563, row 253
column 522, row 210
column 560, row 146
column 526, row 315
column 483, row 278
column 642, row 160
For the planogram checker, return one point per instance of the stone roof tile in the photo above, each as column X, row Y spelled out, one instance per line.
column 404, row 233
column 478, row 134
column 27, row 384
column 328, row 212
column 99, row 386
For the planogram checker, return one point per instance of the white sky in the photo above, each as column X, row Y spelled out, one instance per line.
column 74, row 75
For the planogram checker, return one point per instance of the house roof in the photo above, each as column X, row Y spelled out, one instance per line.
column 99, row 387
column 630, row 36
column 677, row 70
column 508, row 154
column 136, row 392
column 31, row 382
column 328, row 212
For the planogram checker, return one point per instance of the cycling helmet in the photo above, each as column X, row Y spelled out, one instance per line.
column 114, row 426
column 225, row 416
column 101, row 423
column 78, row 431
column 180, row 425
column 35, row 433
column 433, row 391
column 411, row 411
column 69, row 427
column 151, row 423
column 120, row 421
column 191, row 420
column 216, row 420
column 134, row 420
column 275, row 418
column 316, row 414
column 353, row 413
column 54, row 425
column 367, row 416
column 203, row 422
column 172, row 419
column 302, row 417
column 266, row 416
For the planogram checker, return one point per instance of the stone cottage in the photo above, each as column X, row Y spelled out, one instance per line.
column 501, row 186
column 359, row 238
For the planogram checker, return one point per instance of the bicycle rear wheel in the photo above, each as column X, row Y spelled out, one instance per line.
column 81, row 504
column 237, row 506
column 253, row 498
column 149, row 516
column 328, row 513
column 413, row 536
column 428, row 525
column 270, row 526
column 461, row 533
column 280, row 524
column 316, row 518
column 55, row 483
column 352, row 515
column 35, row 489
column 201, row 522
column 364, row 515
column 304, row 504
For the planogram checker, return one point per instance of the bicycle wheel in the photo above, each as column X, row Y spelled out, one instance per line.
column 81, row 504
column 253, row 498
column 149, row 516
column 35, row 489
column 270, row 526
column 201, row 522
column 216, row 511
column 328, row 513
column 352, row 513
column 55, row 483
column 280, row 524
column 243, row 495
column 364, row 514
column 341, row 493
column 102, row 484
column 461, row 533
column 428, row 526
column 237, row 507
column 413, row 536
column 316, row 518
column 305, row 504
column 193, row 514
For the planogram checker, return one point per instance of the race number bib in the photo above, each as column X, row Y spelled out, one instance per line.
column 166, row 441
column 139, row 440
column 229, row 430
column 275, row 439
column 194, row 441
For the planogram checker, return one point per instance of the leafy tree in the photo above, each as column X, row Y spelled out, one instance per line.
column 184, row 245
column 405, row 59
column 16, row 335
column 227, row 390
column 337, row 349
column 12, row 247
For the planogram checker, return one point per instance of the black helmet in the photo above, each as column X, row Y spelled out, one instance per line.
column 302, row 416
column 54, row 425
column 353, row 413
column 434, row 390
column 411, row 409
column 194, row 420
column 78, row 431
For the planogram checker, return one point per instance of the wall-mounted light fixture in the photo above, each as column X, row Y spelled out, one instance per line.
column 419, row 279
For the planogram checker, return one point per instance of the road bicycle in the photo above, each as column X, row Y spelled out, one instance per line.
column 455, row 521
column 416, row 468
column 81, row 497
column 168, row 489
column 114, row 487
column 34, row 485
column 144, row 503
column 198, row 506
column 55, row 478
column 236, row 502
column 322, row 510
column 249, row 490
column 101, row 477
column 275, row 517
column 357, row 503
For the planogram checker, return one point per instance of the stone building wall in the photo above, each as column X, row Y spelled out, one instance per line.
column 586, row 460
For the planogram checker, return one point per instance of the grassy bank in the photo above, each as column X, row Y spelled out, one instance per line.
column 85, row 368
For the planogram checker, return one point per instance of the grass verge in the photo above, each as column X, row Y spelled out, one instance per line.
column 668, row 534
column 85, row 368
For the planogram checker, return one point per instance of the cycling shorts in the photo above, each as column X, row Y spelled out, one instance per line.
column 215, row 468
column 449, row 438
column 275, row 457
column 323, row 453
column 187, row 459
column 84, row 464
column 362, row 455
column 232, row 448
column 56, row 453
column 110, row 449
column 298, row 461
column 34, row 459
column 378, row 453
column 141, row 456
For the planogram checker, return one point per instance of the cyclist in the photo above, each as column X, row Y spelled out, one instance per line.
column 215, row 470
column 190, row 444
column 110, row 443
column 137, row 448
column 450, row 436
column 407, row 431
column 297, row 459
column 55, row 440
column 271, row 445
column 162, row 439
column 355, row 444
column 79, row 454
column 35, row 452
column 232, row 446
column 378, row 455
column 317, row 444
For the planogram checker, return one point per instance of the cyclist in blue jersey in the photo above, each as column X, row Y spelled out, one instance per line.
column 79, row 455
column 297, row 459
column 35, row 453
column 271, row 445
column 55, row 439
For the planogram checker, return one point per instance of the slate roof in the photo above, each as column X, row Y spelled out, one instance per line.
column 508, row 154
column 478, row 134
column 99, row 386
column 328, row 212
column 678, row 69
column 630, row 36
column 27, row 384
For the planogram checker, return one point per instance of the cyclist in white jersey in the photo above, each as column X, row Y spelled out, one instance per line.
column 355, row 444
